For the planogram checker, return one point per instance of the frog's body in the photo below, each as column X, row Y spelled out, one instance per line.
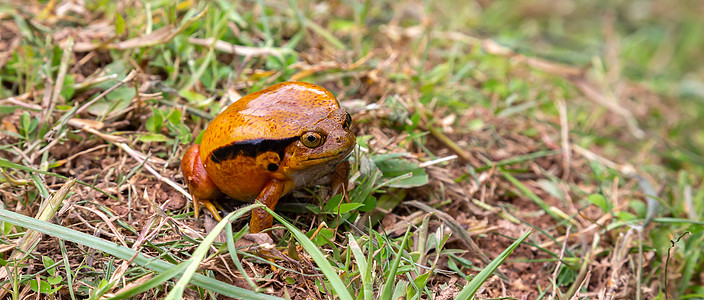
column 267, row 144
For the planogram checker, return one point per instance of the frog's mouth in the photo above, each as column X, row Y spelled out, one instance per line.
column 341, row 155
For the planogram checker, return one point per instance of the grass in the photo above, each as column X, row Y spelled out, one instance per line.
column 477, row 123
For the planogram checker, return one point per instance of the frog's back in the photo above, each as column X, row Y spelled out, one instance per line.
column 277, row 113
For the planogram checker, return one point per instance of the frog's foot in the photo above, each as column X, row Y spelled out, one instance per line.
column 197, row 203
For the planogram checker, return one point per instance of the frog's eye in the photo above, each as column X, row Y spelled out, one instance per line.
column 311, row 139
column 348, row 122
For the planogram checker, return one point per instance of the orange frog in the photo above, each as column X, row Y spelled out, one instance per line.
column 267, row 144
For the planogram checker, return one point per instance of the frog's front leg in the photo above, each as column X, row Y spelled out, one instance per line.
column 339, row 177
column 269, row 196
column 201, row 187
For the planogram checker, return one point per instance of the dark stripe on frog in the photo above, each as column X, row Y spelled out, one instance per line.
column 251, row 148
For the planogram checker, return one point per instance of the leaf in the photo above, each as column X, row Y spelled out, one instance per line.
column 418, row 178
column 25, row 122
column 369, row 204
column 453, row 266
column 119, row 24
column 153, row 137
column 463, row 261
column 347, row 207
column 48, row 262
column 600, row 201
column 194, row 98
column 174, row 116
column 54, row 280
column 155, row 121
column 313, row 208
column 68, row 88
column 180, row 131
column 8, row 109
column 363, row 266
column 324, row 237
column 117, row 68
column 387, row 156
column 116, row 100
column 40, row 286
column 419, row 282
column 395, row 168
column 333, row 205
column 400, row 289
column 624, row 216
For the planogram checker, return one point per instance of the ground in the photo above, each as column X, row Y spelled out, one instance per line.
column 475, row 122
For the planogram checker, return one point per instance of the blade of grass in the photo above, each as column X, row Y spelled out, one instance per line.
column 8, row 164
column 518, row 159
column 198, row 255
column 388, row 286
column 457, row 229
column 124, row 253
column 233, row 253
column 362, row 265
column 317, row 256
column 528, row 193
column 265, row 23
column 473, row 286
column 327, row 35
column 668, row 220
column 67, row 266
column 207, row 60
column 31, row 237
column 153, row 282
column 60, row 77
column 400, row 290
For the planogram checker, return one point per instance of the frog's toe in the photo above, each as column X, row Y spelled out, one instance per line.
column 198, row 203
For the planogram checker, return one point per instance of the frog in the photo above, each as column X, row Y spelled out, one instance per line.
column 266, row 145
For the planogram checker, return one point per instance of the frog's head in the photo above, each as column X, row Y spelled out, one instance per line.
column 319, row 147
column 290, row 131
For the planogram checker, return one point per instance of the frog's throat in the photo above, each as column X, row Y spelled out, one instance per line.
column 251, row 148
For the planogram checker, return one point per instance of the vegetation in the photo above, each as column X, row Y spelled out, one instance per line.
column 534, row 149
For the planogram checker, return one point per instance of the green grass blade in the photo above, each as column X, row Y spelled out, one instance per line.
column 67, row 267
column 400, row 289
column 388, row 286
column 473, row 286
column 528, row 193
column 152, row 283
column 327, row 35
column 358, row 256
column 124, row 253
column 362, row 265
column 233, row 254
column 4, row 163
column 317, row 256
column 668, row 220
column 202, row 250
column 518, row 159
